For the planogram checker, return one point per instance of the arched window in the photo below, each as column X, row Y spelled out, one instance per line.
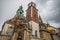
column 19, row 36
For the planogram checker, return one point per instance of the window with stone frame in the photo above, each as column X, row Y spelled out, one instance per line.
column 9, row 31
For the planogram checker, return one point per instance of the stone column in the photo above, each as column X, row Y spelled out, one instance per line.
column 15, row 35
column 25, row 35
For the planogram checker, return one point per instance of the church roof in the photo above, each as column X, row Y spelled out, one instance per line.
column 15, row 20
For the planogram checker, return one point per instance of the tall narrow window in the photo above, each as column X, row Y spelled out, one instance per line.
column 36, row 33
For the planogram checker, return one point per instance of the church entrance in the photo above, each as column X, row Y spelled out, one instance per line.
column 20, row 36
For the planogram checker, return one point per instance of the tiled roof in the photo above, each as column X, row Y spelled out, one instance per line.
column 15, row 20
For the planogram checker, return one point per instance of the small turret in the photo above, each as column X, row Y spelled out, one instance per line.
column 20, row 12
column 32, row 4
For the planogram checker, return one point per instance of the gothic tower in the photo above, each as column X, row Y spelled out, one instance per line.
column 31, row 13
column 33, row 19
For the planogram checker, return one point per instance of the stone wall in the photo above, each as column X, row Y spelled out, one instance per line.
column 5, row 37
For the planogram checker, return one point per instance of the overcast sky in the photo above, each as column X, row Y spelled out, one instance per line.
column 49, row 10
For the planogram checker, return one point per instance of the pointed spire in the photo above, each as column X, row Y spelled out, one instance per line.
column 40, row 20
column 39, row 17
column 47, row 24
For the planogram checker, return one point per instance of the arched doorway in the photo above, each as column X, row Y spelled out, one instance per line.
column 20, row 36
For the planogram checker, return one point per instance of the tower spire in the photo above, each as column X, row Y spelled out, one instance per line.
column 47, row 23
column 40, row 20
column 20, row 11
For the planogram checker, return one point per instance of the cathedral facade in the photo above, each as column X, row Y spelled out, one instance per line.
column 30, row 27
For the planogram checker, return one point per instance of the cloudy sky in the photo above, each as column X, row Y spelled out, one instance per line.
column 49, row 10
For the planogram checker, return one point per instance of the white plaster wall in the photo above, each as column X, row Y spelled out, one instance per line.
column 35, row 26
column 5, row 29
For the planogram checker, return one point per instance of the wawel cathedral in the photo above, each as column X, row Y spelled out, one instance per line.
column 30, row 27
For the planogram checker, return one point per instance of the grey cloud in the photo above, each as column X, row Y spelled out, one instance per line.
column 50, row 10
column 55, row 16
column 56, row 9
